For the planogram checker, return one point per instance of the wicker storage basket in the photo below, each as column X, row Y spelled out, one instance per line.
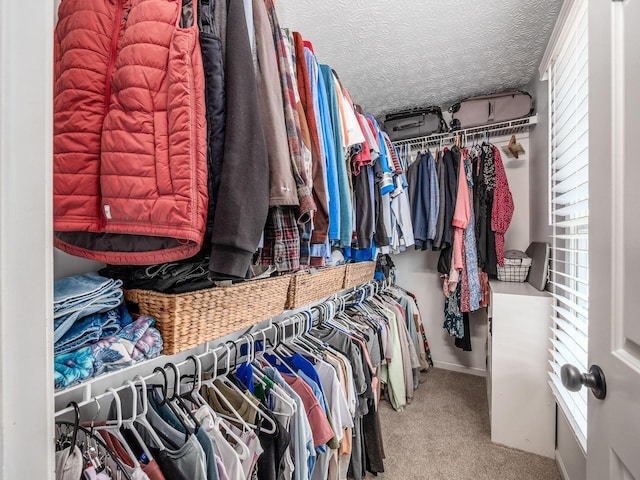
column 308, row 287
column 357, row 273
column 186, row 320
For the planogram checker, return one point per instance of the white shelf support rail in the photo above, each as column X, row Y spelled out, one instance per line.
column 492, row 130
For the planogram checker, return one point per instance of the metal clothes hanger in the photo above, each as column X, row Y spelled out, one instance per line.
column 103, row 450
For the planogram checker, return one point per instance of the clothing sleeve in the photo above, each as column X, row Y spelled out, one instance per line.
column 243, row 199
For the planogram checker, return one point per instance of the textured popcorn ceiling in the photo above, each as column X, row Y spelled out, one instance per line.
column 395, row 54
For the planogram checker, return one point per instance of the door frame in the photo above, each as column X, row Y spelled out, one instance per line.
column 26, row 239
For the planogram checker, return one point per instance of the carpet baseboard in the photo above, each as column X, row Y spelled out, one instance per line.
column 480, row 372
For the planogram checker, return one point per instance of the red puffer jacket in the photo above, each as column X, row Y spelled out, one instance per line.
column 130, row 172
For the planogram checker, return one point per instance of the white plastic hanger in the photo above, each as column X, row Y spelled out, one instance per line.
column 141, row 417
column 218, row 422
column 280, row 327
column 301, row 340
column 272, row 426
column 113, row 427
column 236, row 416
column 276, row 392
column 129, row 423
column 180, row 407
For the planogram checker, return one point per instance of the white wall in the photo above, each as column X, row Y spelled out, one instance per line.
column 417, row 271
column 66, row 265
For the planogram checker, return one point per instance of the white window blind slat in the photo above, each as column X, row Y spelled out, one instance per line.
column 575, row 106
column 576, row 142
column 576, row 354
column 567, row 74
column 569, row 212
column 572, row 305
column 581, row 268
column 580, row 338
column 578, row 178
column 574, row 222
column 580, row 280
column 579, row 193
column 572, row 208
column 566, row 165
column 571, row 291
column 571, row 236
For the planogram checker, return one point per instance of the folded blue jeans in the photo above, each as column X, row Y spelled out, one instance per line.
column 91, row 328
column 82, row 295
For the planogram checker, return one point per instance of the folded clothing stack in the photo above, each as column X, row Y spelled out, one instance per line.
column 82, row 295
column 175, row 277
column 136, row 342
column 93, row 331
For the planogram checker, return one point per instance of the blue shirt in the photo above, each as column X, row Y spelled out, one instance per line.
column 343, row 180
column 333, row 193
column 301, row 365
column 244, row 372
column 426, row 202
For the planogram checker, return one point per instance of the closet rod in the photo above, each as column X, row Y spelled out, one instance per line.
column 496, row 129
column 338, row 301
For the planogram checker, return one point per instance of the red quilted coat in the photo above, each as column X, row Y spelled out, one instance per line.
column 130, row 173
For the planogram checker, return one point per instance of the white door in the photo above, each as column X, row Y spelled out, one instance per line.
column 613, row 449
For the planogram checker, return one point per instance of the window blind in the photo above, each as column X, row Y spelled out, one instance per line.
column 569, row 213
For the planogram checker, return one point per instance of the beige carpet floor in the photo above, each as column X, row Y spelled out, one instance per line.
column 444, row 435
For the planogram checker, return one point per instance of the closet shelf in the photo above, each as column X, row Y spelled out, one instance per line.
column 494, row 129
column 84, row 392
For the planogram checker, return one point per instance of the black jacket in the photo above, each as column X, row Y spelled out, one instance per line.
column 243, row 196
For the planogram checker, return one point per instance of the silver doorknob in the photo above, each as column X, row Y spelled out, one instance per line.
column 573, row 380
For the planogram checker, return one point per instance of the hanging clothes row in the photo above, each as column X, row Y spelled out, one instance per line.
column 296, row 400
column 461, row 206
column 210, row 132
